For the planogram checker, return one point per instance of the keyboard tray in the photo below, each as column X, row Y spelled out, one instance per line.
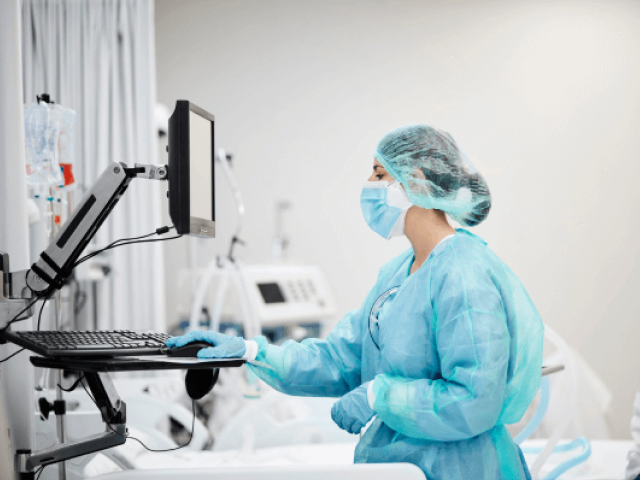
column 128, row 364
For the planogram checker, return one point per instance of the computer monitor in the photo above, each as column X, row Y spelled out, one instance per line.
column 191, row 173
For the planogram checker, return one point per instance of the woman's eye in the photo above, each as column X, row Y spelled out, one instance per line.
column 379, row 176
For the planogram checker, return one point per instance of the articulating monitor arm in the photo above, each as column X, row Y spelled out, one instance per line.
column 57, row 261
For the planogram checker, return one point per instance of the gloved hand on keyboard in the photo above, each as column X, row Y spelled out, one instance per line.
column 224, row 346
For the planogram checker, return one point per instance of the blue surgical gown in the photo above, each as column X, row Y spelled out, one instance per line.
column 458, row 355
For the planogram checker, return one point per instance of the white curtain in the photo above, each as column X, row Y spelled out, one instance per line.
column 98, row 57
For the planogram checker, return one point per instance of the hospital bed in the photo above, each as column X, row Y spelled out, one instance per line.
column 260, row 439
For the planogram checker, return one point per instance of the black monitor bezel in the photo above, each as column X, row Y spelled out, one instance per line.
column 179, row 173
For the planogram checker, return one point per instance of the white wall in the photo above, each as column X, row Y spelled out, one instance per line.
column 542, row 95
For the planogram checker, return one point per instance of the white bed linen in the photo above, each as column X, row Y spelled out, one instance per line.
column 607, row 461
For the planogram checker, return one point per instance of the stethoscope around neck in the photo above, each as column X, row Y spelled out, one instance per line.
column 374, row 325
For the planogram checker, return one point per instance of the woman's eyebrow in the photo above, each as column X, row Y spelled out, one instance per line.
column 375, row 167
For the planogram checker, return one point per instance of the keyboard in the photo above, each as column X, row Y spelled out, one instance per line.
column 111, row 343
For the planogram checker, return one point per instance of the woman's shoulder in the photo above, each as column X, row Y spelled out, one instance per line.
column 465, row 253
column 463, row 244
column 469, row 256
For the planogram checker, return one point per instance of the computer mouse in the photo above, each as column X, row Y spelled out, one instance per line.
column 188, row 350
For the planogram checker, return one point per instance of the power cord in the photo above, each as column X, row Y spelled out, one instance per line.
column 79, row 298
column 127, row 436
column 129, row 241
column 123, row 241
column 72, row 387
column 14, row 319
column 11, row 356
column 44, row 302
column 193, row 424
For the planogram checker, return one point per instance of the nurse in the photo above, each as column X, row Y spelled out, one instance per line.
column 447, row 346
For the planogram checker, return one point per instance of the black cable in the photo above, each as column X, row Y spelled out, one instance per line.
column 193, row 425
column 79, row 302
column 72, row 387
column 145, row 241
column 40, row 314
column 91, row 396
column 126, row 241
column 11, row 356
column 110, row 246
column 77, row 297
column 116, row 243
column 15, row 319
column 97, row 252
column 40, row 472
column 39, row 318
column 91, row 255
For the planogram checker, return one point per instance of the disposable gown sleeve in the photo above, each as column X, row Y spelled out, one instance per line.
column 314, row 367
column 473, row 347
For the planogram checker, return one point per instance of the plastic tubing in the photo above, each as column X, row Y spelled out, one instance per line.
column 221, row 158
column 538, row 416
column 563, row 467
column 221, row 294
column 201, row 292
column 560, row 469
column 569, row 405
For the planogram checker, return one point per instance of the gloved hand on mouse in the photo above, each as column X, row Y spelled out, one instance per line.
column 224, row 346
column 350, row 413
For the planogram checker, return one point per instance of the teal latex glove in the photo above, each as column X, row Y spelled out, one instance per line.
column 224, row 346
column 352, row 412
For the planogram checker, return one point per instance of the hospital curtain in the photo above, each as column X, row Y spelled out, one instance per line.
column 98, row 57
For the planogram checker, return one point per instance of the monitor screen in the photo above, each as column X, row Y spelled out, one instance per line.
column 200, row 166
column 191, row 170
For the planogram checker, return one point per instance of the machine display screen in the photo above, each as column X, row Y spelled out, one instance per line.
column 271, row 293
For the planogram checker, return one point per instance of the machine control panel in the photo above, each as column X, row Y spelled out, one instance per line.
column 289, row 294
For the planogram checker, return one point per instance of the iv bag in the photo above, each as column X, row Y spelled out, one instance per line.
column 49, row 135
column 67, row 134
column 67, row 147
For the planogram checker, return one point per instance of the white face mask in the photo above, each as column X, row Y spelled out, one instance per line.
column 385, row 207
